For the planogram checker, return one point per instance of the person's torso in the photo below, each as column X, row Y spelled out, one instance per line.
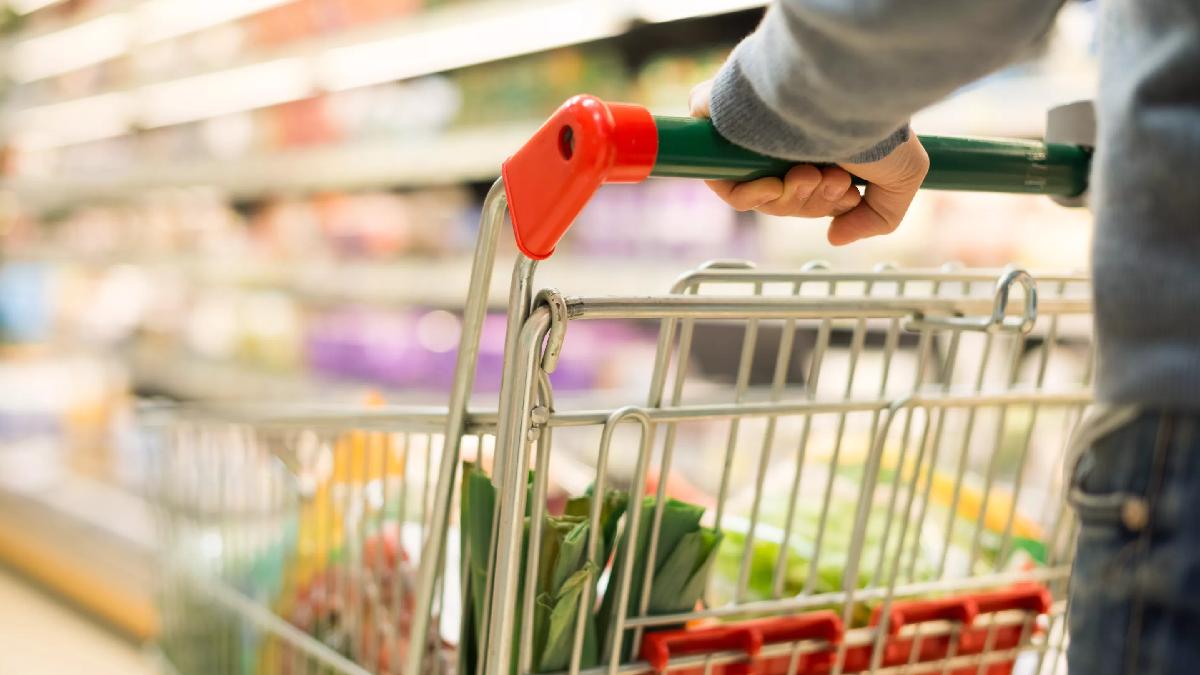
column 1146, row 196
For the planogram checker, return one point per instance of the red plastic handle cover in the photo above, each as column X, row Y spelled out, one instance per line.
column 747, row 637
column 1029, row 597
column 750, row 637
column 586, row 143
column 820, row 625
column 898, row 650
column 1032, row 598
column 658, row 648
column 823, row 625
column 960, row 609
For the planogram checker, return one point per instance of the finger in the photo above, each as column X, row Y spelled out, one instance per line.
column 721, row 188
column 798, row 185
column 879, row 212
column 834, row 183
column 883, row 204
column 748, row 195
column 698, row 99
column 847, row 202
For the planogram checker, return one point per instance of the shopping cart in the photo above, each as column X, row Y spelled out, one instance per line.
column 874, row 485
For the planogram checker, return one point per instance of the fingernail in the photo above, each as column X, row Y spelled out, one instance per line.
column 831, row 192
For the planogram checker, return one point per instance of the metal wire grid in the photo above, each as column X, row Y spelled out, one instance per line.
column 935, row 403
column 278, row 557
column 947, row 321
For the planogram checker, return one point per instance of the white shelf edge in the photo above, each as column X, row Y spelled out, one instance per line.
column 398, row 49
column 405, row 282
column 451, row 157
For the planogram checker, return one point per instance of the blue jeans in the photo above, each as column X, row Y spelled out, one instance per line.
column 1135, row 590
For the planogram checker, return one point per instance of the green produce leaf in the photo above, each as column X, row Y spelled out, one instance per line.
column 478, row 503
column 563, row 572
column 680, row 582
column 554, row 624
column 685, row 570
column 564, row 545
column 614, row 506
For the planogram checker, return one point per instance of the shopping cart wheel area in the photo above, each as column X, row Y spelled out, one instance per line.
column 874, row 484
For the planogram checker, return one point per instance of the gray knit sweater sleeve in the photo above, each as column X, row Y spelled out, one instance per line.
column 837, row 80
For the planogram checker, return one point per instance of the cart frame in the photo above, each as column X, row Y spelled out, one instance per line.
column 526, row 416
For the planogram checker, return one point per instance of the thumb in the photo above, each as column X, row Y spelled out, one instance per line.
column 892, row 182
column 698, row 100
column 879, row 212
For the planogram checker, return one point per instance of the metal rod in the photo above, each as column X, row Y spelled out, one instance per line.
column 266, row 619
column 745, row 361
column 512, row 441
column 615, row 633
column 778, row 381
column 434, row 546
column 712, row 307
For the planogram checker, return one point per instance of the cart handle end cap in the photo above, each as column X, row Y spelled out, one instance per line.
column 586, row 143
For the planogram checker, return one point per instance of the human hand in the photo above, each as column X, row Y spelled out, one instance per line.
column 810, row 191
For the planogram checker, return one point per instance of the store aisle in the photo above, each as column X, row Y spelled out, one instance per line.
column 39, row 635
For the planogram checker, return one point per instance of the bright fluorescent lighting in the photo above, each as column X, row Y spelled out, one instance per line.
column 661, row 11
column 226, row 91
column 445, row 40
column 111, row 35
column 164, row 19
column 77, row 121
column 72, row 48
column 27, row 6
column 501, row 35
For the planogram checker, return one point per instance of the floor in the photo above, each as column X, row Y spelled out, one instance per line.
column 40, row 635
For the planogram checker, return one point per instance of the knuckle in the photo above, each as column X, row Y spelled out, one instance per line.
column 804, row 173
column 733, row 202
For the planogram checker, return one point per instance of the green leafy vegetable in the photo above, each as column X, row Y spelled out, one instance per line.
column 563, row 572
column 683, row 557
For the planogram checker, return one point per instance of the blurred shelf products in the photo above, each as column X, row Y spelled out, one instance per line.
column 441, row 128
column 253, row 126
column 162, row 62
column 63, row 412
column 355, row 287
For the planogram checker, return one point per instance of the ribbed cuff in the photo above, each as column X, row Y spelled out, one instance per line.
column 882, row 148
column 741, row 116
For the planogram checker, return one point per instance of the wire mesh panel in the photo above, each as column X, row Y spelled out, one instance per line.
column 873, row 485
column 291, row 543
column 830, row 472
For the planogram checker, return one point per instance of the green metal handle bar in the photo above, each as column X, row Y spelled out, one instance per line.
column 692, row 148
column 588, row 142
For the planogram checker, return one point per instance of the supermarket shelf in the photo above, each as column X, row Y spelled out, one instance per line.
column 35, row 626
column 1009, row 106
column 426, row 43
column 168, row 372
column 430, row 282
column 444, row 282
column 188, row 378
column 452, row 157
column 90, row 543
column 27, row 6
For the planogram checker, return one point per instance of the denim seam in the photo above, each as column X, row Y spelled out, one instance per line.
column 1162, row 442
